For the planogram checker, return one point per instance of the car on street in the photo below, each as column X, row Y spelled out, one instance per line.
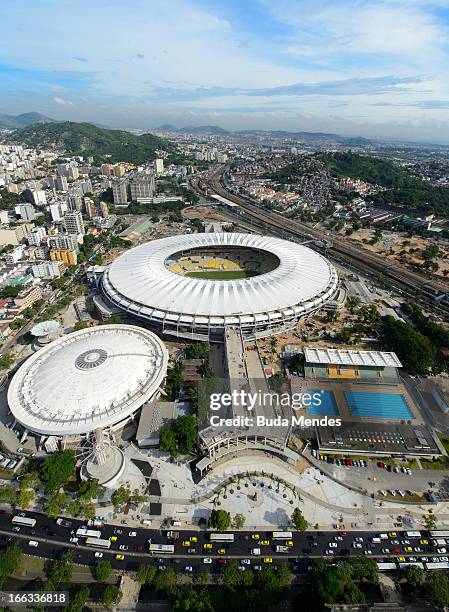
column 98, row 555
column 120, row 557
column 357, row 545
column 74, row 540
column 16, row 528
column 245, row 561
column 441, row 550
column 186, row 543
column 255, row 536
column 113, row 538
column 329, row 552
column 267, row 560
column 207, row 546
column 191, row 551
column 123, row 547
column 117, row 531
column 132, row 534
column 188, row 568
column 221, row 551
column 207, row 560
column 138, row 548
column 193, row 539
column 333, row 545
column 265, row 542
column 368, row 551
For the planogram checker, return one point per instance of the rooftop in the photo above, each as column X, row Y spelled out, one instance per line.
column 351, row 357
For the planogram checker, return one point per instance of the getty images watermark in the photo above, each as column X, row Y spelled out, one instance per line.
column 242, row 408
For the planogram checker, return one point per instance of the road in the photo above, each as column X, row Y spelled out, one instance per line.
column 54, row 539
column 366, row 260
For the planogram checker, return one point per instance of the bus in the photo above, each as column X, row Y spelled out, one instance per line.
column 162, row 548
column 386, row 567
column 282, row 535
column 221, row 537
column 26, row 521
column 439, row 534
column 437, row 565
column 98, row 542
column 82, row 532
column 413, row 534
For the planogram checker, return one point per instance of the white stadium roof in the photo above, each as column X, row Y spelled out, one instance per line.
column 96, row 377
column 351, row 357
column 140, row 282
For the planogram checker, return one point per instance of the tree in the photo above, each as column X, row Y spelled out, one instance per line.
column 239, row 521
column 167, row 441
column 413, row 575
column 198, row 350
column 165, row 580
column 24, row 498
column 112, row 595
column 10, row 561
column 298, row 520
column 55, row 504
column 6, row 361
column 57, row 469
column 30, row 481
column 416, row 352
column 89, row 511
column 78, row 600
column 364, row 569
column 202, row 576
column 220, row 519
column 80, row 325
column 192, row 600
column 90, row 489
column 120, row 496
column 146, row 573
column 179, row 437
column 60, row 570
column 8, row 495
column 103, row 570
column 437, row 590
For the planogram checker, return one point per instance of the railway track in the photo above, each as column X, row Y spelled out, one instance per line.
column 414, row 281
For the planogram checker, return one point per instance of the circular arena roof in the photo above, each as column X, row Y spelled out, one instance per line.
column 92, row 378
column 140, row 282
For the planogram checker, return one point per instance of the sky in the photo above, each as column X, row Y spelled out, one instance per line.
column 375, row 68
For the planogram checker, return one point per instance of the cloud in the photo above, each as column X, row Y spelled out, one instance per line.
column 346, row 87
column 62, row 101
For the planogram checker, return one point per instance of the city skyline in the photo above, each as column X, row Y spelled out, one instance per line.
column 359, row 68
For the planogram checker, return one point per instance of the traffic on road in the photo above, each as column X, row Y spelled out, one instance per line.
column 127, row 547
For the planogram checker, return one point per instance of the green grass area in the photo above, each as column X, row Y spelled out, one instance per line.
column 442, row 463
column 222, row 274
column 445, row 442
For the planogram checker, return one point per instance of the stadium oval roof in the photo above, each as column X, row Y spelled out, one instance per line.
column 95, row 377
column 140, row 282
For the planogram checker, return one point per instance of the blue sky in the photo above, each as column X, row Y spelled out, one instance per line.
column 374, row 68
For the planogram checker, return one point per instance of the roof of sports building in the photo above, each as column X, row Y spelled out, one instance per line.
column 332, row 356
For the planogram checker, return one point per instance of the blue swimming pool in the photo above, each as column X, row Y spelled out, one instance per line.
column 328, row 405
column 378, row 405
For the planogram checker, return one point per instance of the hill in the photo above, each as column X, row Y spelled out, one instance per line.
column 14, row 122
column 72, row 138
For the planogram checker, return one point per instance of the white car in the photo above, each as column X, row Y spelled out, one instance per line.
column 441, row 550
column 329, row 552
column 188, row 568
column 444, row 559
column 132, row 534
column 123, row 547
column 359, row 539
column 356, row 545
column 98, row 555
column 74, row 540
column 338, row 538
column 333, row 545
column 245, row 561
column 118, row 532
column 368, row 551
column 207, row 560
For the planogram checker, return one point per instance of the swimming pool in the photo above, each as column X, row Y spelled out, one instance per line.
column 328, row 404
column 378, row 405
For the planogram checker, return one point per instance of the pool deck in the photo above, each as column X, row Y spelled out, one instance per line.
column 339, row 388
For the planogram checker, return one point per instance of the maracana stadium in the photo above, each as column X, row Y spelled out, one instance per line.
column 195, row 285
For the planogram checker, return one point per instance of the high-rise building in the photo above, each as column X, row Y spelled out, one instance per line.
column 73, row 172
column 120, row 191
column 36, row 236
column 63, row 242
column 74, row 201
column 142, row 185
column 159, row 165
column 104, row 209
column 73, row 223
column 90, row 207
column 58, row 210
column 68, row 257
column 118, row 170
column 27, row 212
column 36, row 197
column 105, row 169
column 47, row 270
column 61, row 183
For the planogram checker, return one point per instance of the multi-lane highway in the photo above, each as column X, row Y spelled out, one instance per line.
column 416, row 281
column 191, row 548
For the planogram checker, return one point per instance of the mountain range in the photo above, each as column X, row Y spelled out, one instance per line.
column 17, row 122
